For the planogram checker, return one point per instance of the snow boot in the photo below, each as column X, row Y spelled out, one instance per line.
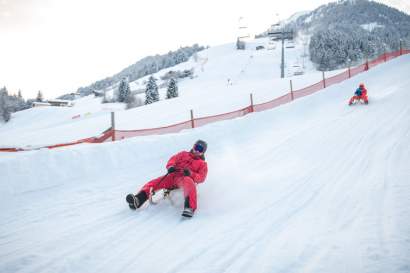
column 187, row 212
column 136, row 201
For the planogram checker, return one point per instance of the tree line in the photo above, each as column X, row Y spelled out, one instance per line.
column 13, row 103
column 141, row 68
column 347, row 32
column 125, row 95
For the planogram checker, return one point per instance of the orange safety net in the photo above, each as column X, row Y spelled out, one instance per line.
column 121, row 134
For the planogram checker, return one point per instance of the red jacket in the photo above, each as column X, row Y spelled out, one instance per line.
column 364, row 92
column 187, row 160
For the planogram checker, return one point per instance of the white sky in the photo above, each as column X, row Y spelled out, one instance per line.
column 59, row 45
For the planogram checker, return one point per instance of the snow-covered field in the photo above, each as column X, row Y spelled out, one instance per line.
column 249, row 71
column 311, row 186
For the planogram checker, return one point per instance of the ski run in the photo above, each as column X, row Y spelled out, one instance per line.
column 310, row 186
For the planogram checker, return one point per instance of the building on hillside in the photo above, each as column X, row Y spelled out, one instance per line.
column 56, row 102
column 40, row 104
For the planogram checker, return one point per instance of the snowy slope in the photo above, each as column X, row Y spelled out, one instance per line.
column 311, row 186
column 250, row 71
column 402, row 5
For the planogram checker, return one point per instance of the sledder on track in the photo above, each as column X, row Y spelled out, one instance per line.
column 360, row 95
column 184, row 170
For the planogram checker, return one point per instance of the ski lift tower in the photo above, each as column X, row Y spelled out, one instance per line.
column 243, row 33
column 277, row 32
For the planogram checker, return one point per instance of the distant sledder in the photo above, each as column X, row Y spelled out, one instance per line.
column 360, row 95
column 184, row 170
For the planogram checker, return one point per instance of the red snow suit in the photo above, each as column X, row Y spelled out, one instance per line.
column 363, row 96
column 182, row 160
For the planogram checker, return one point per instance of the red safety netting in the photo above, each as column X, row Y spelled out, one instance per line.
column 308, row 90
column 106, row 135
column 11, row 149
column 110, row 134
column 337, row 78
column 273, row 103
column 121, row 134
column 358, row 69
column 235, row 114
column 377, row 61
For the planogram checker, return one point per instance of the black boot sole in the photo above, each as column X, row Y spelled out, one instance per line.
column 131, row 202
column 187, row 214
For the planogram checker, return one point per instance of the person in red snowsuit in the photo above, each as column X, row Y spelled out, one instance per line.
column 360, row 94
column 184, row 170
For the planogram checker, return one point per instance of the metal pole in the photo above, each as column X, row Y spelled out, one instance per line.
column 251, row 96
column 324, row 79
column 192, row 119
column 291, row 90
column 113, row 125
column 282, row 65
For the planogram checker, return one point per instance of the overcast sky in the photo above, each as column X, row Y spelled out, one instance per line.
column 59, row 45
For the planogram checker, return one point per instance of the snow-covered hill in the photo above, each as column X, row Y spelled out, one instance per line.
column 224, row 78
column 402, row 5
column 311, row 186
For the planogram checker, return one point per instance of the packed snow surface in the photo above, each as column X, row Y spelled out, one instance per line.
column 311, row 186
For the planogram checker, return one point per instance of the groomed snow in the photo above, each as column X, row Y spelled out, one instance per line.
column 311, row 186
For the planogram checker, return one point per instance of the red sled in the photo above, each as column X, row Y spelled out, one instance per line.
column 355, row 100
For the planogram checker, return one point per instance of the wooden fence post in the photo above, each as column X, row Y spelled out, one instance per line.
column 401, row 47
column 366, row 67
column 251, row 96
column 348, row 69
column 324, row 79
column 291, row 90
column 113, row 125
column 192, row 119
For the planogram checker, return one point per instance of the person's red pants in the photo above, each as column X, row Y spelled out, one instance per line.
column 174, row 181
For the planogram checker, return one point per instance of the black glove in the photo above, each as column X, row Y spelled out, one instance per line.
column 187, row 172
column 171, row 169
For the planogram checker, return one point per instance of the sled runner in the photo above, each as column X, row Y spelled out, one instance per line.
column 358, row 101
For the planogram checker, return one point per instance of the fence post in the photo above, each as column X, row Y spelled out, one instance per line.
column 348, row 69
column 113, row 125
column 192, row 119
column 366, row 66
column 385, row 56
column 291, row 90
column 251, row 96
column 324, row 79
column 401, row 47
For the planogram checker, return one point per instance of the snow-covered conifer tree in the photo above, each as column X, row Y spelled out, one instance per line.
column 39, row 97
column 151, row 91
column 4, row 109
column 172, row 91
column 123, row 90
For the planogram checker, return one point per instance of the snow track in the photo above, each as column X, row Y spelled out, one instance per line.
column 312, row 186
